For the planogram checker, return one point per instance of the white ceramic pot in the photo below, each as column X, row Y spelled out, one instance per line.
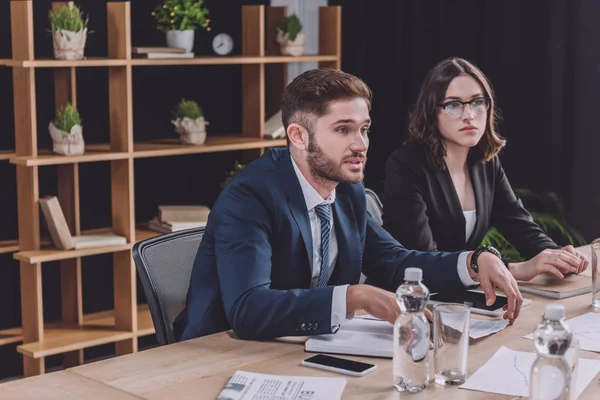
column 191, row 131
column 67, row 143
column 181, row 39
column 69, row 45
column 290, row 47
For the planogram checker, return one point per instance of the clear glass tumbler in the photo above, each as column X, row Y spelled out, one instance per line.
column 596, row 274
column 450, row 343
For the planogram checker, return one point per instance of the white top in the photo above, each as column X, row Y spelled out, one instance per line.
column 470, row 219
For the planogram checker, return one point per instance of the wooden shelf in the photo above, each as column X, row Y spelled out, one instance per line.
column 198, row 60
column 239, row 60
column 170, row 147
column 11, row 335
column 97, row 329
column 52, row 63
column 93, row 152
column 6, row 154
column 8, row 246
column 53, row 254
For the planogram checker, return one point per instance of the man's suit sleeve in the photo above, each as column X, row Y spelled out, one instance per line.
column 243, row 231
column 385, row 260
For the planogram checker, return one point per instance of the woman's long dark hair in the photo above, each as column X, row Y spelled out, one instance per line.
column 423, row 125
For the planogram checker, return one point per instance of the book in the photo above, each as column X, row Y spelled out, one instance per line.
column 168, row 55
column 173, row 226
column 548, row 285
column 98, row 240
column 60, row 235
column 150, row 49
column 183, row 213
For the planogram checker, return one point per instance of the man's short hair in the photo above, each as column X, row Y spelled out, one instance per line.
column 308, row 96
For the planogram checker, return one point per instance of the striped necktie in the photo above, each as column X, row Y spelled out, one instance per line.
column 323, row 211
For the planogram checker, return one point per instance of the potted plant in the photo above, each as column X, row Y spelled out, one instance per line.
column 189, row 122
column 69, row 31
column 179, row 19
column 290, row 36
column 67, row 132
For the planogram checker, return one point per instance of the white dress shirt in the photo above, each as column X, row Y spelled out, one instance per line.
column 338, row 305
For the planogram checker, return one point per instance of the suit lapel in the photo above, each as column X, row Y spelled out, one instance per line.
column 453, row 204
column 478, row 182
column 297, row 205
column 347, row 269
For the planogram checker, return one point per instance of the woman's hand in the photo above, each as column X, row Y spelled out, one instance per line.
column 557, row 262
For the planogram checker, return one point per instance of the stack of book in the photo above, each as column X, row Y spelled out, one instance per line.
column 161, row 52
column 176, row 218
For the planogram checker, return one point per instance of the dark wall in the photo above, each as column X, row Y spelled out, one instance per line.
column 168, row 180
column 541, row 57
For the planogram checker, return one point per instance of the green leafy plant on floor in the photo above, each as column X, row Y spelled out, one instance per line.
column 66, row 118
column 237, row 166
column 67, row 18
column 189, row 109
column 181, row 15
column 292, row 26
column 548, row 212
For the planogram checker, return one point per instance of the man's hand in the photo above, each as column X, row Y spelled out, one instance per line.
column 377, row 302
column 493, row 274
column 557, row 262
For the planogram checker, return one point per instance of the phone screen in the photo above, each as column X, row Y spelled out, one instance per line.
column 473, row 299
column 341, row 363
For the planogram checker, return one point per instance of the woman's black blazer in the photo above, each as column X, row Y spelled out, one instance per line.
column 422, row 211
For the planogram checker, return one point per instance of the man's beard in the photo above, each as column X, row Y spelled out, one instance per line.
column 323, row 167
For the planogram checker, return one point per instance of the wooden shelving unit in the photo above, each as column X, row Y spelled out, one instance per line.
column 263, row 80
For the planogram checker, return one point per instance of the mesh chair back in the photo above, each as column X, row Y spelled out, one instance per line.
column 164, row 264
column 374, row 206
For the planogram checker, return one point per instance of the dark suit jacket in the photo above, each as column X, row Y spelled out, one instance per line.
column 252, row 272
column 422, row 210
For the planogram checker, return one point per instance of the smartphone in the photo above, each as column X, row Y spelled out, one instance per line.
column 474, row 298
column 341, row 365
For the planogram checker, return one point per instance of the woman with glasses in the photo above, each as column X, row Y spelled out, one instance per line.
column 445, row 187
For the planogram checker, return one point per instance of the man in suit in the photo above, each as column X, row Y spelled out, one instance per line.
column 289, row 236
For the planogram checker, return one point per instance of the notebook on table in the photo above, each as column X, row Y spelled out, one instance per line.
column 548, row 285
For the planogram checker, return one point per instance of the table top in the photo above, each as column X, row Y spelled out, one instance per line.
column 201, row 367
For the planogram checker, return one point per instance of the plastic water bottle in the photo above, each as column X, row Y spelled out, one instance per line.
column 550, row 372
column 411, row 334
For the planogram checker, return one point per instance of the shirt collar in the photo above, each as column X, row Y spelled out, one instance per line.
column 311, row 196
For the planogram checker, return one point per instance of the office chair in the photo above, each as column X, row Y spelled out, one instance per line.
column 164, row 264
column 374, row 206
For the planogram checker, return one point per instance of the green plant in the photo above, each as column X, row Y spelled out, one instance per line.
column 67, row 18
column 181, row 15
column 548, row 212
column 189, row 109
column 67, row 116
column 292, row 26
column 237, row 166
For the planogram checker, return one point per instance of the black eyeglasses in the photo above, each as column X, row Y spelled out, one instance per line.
column 455, row 108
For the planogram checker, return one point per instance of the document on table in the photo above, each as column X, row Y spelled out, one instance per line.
column 478, row 328
column 514, row 368
column 253, row 386
column 586, row 328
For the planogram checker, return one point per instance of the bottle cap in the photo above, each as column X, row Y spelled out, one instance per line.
column 554, row 312
column 413, row 274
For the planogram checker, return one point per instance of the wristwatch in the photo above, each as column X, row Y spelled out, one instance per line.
column 478, row 252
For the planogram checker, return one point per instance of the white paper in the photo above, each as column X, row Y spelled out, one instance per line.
column 252, row 386
column 514, row 368
column 586, row 328
column 478, row 328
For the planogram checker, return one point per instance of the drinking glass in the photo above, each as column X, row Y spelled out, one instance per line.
column 450, row 342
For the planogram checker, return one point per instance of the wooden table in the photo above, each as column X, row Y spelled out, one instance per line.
column 199, row 368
